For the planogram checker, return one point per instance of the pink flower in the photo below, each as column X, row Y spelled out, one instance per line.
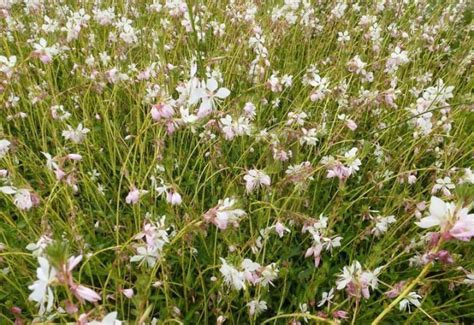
column 128, row 293
column 280, row 229
column 351, row 124
column 173, row 197
column 255, row 178
column 314, row 251
column 463, row 229
column 161, row 110
column 74, row 156
column 340, row 314
column 134, row 195
column 338, row 170
column 452, row 221
column 397, row 289
column 83, row 293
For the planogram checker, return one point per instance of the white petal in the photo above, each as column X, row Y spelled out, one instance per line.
column 7, row 190
column 212, row 84
column 438, row 208
column 428, row 222
column 222, row 93
column 196, row 95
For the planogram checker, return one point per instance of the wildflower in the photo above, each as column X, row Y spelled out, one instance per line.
column 255, row 178
column 444, row 185
column 309, row 137
column 128, row 293
column 147, row 254
column 7, row 65
column 352, row 161
column 41, row 290
column 83, row 293
column 23, row 199
column 232, row 277
column 256, row 307
column 469, row 280
column 396, row 290
column 250, row 269
column 173, row 197
column 268, row 274
column 382, row 224
column 37, row 248
column 156, row 234
column 453, row 222
column 340, row 314
column 109, row 319
column 134, row 195
column 162, row 111
column 280, row 229
column 357, row 281
column 410, row 299
column 224, row 213
column 4, row 147
column 45, row 53
column 75, row 135
column 326, row 297
column 209, row 94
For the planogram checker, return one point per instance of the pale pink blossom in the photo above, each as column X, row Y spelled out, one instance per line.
column 128, row 293
column 256, row 178
column 83, row 293
column 134, row 195
column 173, row 197
column 161, row 111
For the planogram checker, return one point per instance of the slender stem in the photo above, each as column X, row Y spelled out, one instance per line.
column 407, row 290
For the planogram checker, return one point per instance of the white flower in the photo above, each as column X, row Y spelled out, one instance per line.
column 41, row 291
column 209, row 94
column 226, row 214
column 232, row 276
column 411, row 298
column 50, row 162
column 469, row 280
column 439, row 214
column 326, row 297
column 75, row 135
column 256, row 307
column 38, row 248
column 4, row 147
column 349, row 274
column 352, row 161
column 382, row 224
column 23, row 199
column 109, row 319
column 268, row 274
column 147, row 254
column 308, row 137
column 444, row 185
column 255, row 178
column 468, row 176
column 7, row 65
column 280, row 229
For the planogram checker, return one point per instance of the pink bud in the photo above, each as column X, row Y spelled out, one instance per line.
column 128, row 293
column 84, row 293
column 340, row 314
column 351, row 125
column 74, row 156
column 174, row 198
column 59, row 174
